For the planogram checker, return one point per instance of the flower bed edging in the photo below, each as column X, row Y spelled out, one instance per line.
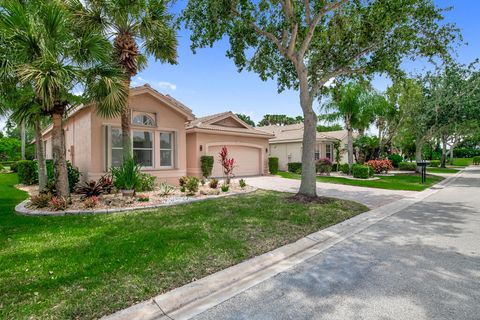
column 22, row 209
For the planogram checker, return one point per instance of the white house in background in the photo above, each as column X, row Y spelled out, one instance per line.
column 287, row 144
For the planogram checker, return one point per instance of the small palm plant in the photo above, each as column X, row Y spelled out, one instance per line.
column 127, row 176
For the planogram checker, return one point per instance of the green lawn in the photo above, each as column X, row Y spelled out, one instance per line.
column 442, row 170
column 83, row 267
column 406, row 181
column 462, row 162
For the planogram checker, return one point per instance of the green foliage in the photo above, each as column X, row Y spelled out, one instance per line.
column 58, row 203
column 435, row 163
column 89, row 188
column 395, row 159
column 273, row 165
column 344, row 168
column 14, row 166
column 213, row 183
column 164, row 189
column 206, row 163
column 242, row 183
column 368, row 146
column 146, row 182
column 246, row 119
column 407, row 166
column 279, row 120
column 294, row 167
column 41, row 200
column 126, row 176
column 143, row 198
column 224, row 187
column 361, row 171
column 323, row 166
column 476, row 160
column 333, row 127
column 192, row 185
column 466, row 152
column 73, row 174
column 2, row 168
column 182, row 181
column 10, row 149
column 27, row 172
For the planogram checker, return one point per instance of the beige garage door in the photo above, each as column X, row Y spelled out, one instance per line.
column 247, row 160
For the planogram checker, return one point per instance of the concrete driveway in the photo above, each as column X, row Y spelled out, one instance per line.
column 371, row 197
column 420, row 263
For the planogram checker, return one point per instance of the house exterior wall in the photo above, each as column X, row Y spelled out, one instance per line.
column 213, row 140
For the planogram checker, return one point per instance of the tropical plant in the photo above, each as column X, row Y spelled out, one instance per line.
column 126, row 176
column 242, row 183
column 279, row 120
column 304, row 44
column 107, row 183
column 224, row 187
column 380, row 166
column 182, row 180
column 213, row 183
column 55, row 54
column 90, row 202
column 164, row 189
column 146, row 182
column 206, row 164
column 89, row 189
column 228, row 164
column 139, row 28
column 58, row 203
column 246, row 119
column 192, row 185
column 41, row 200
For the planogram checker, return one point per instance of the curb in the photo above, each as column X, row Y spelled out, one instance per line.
column 196, row 297
column 22, row 209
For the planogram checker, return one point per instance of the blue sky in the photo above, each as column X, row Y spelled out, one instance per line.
column 208, row 82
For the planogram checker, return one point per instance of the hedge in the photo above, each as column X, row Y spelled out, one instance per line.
column 466, row 153
column 273, row 165
column 206, row 163
column 476, row 160
column 344, row 168
column 396, row 159
column 407, row 166
column 27, row 172
column 434, row 163
column 362, row 172
column 295, row 167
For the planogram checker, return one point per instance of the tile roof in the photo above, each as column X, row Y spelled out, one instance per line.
column 294, row 132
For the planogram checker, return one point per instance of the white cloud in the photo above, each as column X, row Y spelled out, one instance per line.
column 166, row 85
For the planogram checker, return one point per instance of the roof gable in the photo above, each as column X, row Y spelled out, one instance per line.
column 229, row 121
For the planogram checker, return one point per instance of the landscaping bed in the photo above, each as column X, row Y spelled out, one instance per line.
column 87, row 266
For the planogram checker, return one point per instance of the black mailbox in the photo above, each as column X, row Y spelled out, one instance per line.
column 423, row 165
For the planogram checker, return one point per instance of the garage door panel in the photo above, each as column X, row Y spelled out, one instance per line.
column 247, row 160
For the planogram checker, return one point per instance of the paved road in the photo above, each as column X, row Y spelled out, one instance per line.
column 421, row 263
column 371, row 197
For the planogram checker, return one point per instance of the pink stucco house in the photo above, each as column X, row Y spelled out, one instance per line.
column 167, row 139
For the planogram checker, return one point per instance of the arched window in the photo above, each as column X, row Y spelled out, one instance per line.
column 144, row 120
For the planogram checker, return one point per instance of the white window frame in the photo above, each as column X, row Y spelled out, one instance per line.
column 317, row 152
column 152, row 134
column 329, row 145
column 110, row 144
column 172, row 149
column 134, row 116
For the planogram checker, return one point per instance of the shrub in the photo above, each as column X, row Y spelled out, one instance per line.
column 434, row 163
column 396, row 159
column 182, row 189
column 380, row 166
column 90, row 202
column 27, row 172
column 143, row 198
column 182, row 181
column 242, row 183
column 206, row 163
column 361, row 171
column 146, row 182
column 273, row 165
column 324, row 166
column 466, row 152
column 58, row 203
column 107, row 183
column 165, row 189
column 127, row 176
column 407, row 166
column 213, row 183
column 192, row 185
column 228, row 164
column 344, row 168
column 476, row 160
column 224, row 187
column 14, row 166
column 203, row 181
column 41, row 200
column 72, row 172
column 49, row 188
column 2, row 168
column 295, row 167
column 89, row 189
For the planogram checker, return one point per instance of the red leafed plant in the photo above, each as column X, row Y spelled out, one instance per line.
column 380, row 166
column 227, row 164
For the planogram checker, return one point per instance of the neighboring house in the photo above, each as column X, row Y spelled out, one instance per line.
column 287, row 144
column 167, row 139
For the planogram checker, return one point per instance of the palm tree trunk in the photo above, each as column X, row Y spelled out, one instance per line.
column 22, row 138
column 40, row 153
column 126, row 120
column 350, row 146
column 59, row 159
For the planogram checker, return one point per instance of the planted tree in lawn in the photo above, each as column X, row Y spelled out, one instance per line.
column 305, row 43
column 227, row 164
column 139, row 28
column 52, row 53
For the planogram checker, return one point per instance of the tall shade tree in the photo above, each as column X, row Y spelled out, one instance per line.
column 54, row 55
column 305, row 43
column 139, row 28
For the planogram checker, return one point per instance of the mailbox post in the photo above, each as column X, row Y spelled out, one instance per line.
column 423, row 164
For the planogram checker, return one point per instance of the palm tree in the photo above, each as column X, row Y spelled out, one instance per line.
column 349, row 103
column 54, row 55
column 139, row 28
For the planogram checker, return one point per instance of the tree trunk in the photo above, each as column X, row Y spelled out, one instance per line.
column 418, row 154
column 22, row 138
column 126, row 120
column 308, row 184
column 59, row 159
column 350, row 146
column 40, row 153
column 444, row 151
